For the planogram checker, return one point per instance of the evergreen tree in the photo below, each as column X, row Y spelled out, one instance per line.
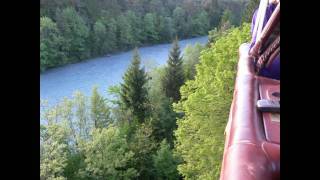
column 134, row 94
column 165, row 163
column 100, row 113
column 163, row 116
column 174, row 75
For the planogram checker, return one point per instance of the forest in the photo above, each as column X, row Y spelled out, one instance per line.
column 76, row 30
column 163, row 124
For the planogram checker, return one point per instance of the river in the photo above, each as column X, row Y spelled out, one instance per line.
column 104, row 71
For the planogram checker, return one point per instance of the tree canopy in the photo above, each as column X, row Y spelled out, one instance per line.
column 72, row 31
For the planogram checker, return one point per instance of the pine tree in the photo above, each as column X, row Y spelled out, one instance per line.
column 134, row 94
column 174, row 75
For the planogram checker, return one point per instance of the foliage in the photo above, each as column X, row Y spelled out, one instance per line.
column 250, row 8
column 50, row 43
column 173, row 78
column 100, row 113
column 108, row 155
column 165, row 163
column 134, row 94
column 75, row 33
column 91, row 28
column 54, row 155
column 151, row 33
column 205, row 102
column 143, row 145
column 191, row 57
column 162, row 114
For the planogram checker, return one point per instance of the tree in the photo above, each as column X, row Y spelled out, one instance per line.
column 162, row 114
column 166, row 28
column 191, row 59
column 134, row 94
column 179, row 21
column 226, row 20
column 143, row 145
column 136, row 24
column 99, row 36
column 250, row 8
column 75, row 34
column 50, row 44
column 205, row 102
column 108, row 156
column 82, row 125
column 100, row 114
column 200, row 23
column 150, row 31
column 110, row 43
column 54, row 152
column 165, row 163
column 174, row 76
column 124, row 33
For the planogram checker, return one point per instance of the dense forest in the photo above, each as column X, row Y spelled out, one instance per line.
column 75, row 30
column 163, row 124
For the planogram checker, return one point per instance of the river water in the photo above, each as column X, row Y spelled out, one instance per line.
column 102, row 72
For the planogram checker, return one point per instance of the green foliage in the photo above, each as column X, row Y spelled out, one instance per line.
column 250, row 8
column 54, row 155
column 75, row 34
column 124, row 32
column 191, row 57
column 163, row 116
column 143, row 145
column 80, row 128
column 166, row 28
column 150, row 31
column 50, row 43
column 99, row 36
column 200, row 23
column 135, row 24
column 205, row 102
column 226, row 20
column 165, row 163
column 174, row 76
column 100, row 113
column 134, row 94
column 108, row 155
column 179, row 21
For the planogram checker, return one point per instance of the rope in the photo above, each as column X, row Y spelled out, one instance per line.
column 271, row 51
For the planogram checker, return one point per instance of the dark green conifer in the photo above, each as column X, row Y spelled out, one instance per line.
column 134, row 93
column 174, row 75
